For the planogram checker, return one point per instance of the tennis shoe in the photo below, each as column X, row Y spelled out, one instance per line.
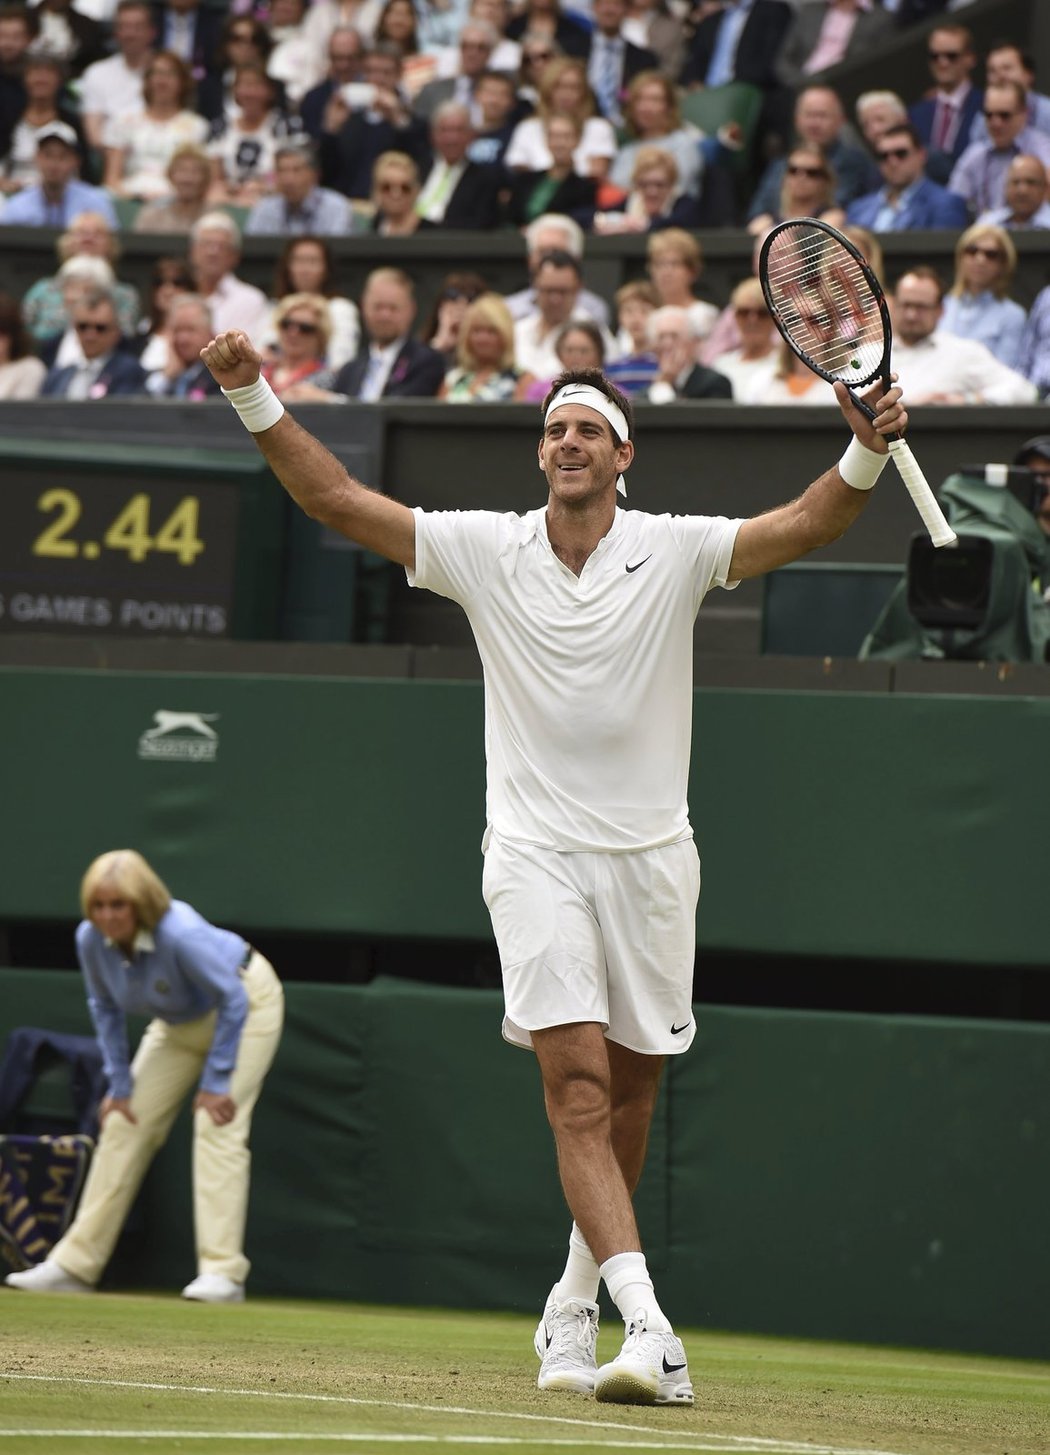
column 649, row 1369
column 214, row 1288
column 565, row 1340
column 48, row 1277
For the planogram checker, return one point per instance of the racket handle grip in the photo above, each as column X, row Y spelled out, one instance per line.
column 941, row 533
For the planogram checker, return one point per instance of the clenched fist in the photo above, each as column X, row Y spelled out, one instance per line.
column 232, row 359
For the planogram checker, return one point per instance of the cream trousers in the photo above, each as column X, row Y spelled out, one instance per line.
column 167, row 1066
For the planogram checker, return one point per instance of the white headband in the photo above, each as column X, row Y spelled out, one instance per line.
column 593, row 399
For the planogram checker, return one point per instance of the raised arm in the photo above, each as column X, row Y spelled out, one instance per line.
column 313, row 477
column 831, row 504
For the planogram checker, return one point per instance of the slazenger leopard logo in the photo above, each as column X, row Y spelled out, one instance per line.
column 180, row 737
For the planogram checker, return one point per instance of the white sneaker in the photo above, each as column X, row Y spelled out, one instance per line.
column 214, row 1288
column 48, row 1277
column 565, row 1340
column 649, row 1369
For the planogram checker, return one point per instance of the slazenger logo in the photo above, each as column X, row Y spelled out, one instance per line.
column 180, row 737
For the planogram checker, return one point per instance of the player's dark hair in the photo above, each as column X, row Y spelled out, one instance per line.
column 597, row 380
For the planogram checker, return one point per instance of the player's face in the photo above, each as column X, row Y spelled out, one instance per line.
column 580, row 456
column 113, row 916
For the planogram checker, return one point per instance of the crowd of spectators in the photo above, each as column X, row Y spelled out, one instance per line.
column 562, row 119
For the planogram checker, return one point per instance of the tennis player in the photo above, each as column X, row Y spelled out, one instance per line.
column 583, row 614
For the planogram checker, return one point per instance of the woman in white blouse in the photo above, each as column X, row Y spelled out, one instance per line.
column 139, row 145
column 564, row 91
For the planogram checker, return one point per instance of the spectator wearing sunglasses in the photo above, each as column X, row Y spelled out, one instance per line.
column 1006, row 61
column 907, row 198
column 104, row 369
column 808, row 190
column 819, row 121
column 978, row 305
column 395, row 193
column 945, row 117
column 980, row 173
column 303, row 328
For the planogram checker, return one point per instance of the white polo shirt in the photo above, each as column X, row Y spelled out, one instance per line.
column 588, row 680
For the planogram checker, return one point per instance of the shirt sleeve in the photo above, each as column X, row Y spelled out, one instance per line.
column 111, row 1029
column 200, row 962
column 456, row 550
column 706, row 543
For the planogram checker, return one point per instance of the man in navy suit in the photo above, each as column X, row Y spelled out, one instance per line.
column 391, row 364
column 907, row 199
column 738, row 42
column 105, row 370
column 191, row 30
column 613, row 61
column 944, row 118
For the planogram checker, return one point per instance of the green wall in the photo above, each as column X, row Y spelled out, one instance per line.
column 873, row 825
column 868, row 1178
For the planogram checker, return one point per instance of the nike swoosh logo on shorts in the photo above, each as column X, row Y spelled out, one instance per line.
column 639, row 563
column 677, row 1030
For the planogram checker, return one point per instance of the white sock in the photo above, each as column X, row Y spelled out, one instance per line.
column 631, row 1290
column 581, row 1277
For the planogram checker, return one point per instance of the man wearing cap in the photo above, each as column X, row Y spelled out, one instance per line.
column 60, row 195
column 583, row 613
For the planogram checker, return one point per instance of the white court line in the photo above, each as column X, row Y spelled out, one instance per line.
column 725, row 1442
column 403, row 1439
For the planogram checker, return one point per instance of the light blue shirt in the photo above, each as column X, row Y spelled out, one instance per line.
column 1038, row 117
column 998, row 323
column 723, row 57
column 182, row 971
column 323, row 211
column 980, row 173
column 1001, row 216
column 887, row 213
column 30, row 208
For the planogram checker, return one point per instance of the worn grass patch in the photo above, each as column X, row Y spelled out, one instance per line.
column 136, row 1372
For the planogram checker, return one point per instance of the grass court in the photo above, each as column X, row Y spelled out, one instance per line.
column 126, row 1372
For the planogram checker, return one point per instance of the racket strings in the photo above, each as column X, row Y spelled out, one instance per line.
column 825, row 304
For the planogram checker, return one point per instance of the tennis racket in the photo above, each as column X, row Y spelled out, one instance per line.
column 830, row 308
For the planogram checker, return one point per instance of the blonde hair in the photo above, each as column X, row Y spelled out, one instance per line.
column 1003, row 241
column 552, row 74
column 399, row 163
column 667, row 86
column 676, row 242
column 66, row 243
column 636, row 290
column 654, row 159
column 317, row 305
column 748, row 294
column 126, row 871
column 488, row 308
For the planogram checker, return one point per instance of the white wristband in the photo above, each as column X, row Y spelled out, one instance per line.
column 257, row 405
column 861, row 467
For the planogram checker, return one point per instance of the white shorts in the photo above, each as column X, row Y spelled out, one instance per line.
column 596, row 937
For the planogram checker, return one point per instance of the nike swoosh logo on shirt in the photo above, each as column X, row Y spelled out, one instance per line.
column 639, row 564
